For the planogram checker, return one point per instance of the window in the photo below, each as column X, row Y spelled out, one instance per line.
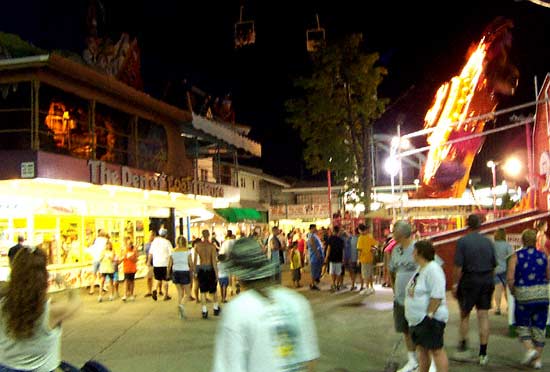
column 204, row 175
column 243, row 182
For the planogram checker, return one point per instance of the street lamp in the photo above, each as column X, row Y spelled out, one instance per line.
column 512, row 167
column 392, row 166
column 492, row 164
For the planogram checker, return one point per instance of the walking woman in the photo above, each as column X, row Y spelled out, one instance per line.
column 182, row 268
column 503, row 250
column 30, row 323
column 129, row 264
column 426, row 308
column 528, row 275
column 107, row 269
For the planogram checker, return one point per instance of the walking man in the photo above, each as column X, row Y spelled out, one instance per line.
column 13, row 250
column 402, row 268
column 274, row 246
column 149, row 274
column 335, row 253
column 316, row 258
column 207, row 272
column 473, row 280
column 159, row 256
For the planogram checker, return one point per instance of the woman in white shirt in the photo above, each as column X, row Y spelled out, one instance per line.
column 30, row 324
column 181, row 265
column 426, row 309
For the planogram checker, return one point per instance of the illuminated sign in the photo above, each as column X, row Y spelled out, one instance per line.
column 102, row 173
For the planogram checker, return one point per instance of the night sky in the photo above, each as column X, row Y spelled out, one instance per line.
column 194, row 40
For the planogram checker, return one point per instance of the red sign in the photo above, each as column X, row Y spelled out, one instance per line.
column 542, row 147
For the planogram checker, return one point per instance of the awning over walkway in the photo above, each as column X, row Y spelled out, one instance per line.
column 239, row 214
column 224, row 133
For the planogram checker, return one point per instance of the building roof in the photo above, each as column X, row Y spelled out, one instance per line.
column 260, row 173
column 88, row 83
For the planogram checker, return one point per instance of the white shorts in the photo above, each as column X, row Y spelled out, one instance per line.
column 335, row 268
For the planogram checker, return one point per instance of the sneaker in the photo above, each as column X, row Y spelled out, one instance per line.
column 148, row 295
column 99, row 299
column 497, row 312
column 123, row 298
column 217, row 311
column 483, row 360
column 132, row 298
column 530, row 357
column 352, row 288
column 411, row 366
column 314, row 288
column 537, row 364
column 181, row 311
column 205, row 314
column 160, row 293
column 111, row 298
column 154, row 295
column 167, row 298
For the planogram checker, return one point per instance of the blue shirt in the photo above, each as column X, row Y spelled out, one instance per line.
column 313, row 259
column 530, row 280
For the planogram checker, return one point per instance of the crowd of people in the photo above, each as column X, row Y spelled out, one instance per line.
column 268, row 316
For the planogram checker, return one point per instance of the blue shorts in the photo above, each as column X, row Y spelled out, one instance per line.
column 224, row 282
column 115, row 276
column 316, row 271
column 500, row 278
column 181, row 277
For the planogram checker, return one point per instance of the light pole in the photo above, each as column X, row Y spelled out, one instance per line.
column 492, row 164
column 392, row 168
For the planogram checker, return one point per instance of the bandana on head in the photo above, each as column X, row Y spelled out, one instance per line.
column 247, row 261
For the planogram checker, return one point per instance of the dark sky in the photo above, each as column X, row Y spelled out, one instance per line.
column 421, row 43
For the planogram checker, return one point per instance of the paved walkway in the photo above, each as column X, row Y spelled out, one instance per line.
column 355, row 334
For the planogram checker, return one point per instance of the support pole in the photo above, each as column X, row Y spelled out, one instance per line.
column 188, row 221
column 329, row 196
column 531, row 175
column 401, row 207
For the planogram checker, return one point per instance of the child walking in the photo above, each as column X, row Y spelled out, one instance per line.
column 295, row 264
column 129, row 260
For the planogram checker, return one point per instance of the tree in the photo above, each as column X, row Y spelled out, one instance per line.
column 335, row 112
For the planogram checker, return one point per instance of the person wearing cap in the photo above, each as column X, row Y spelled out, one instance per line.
column 402, row 268
column 473, row 286
column 159, row 255
column 267, row 327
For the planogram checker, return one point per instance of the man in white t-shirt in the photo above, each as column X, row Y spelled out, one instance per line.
column 159, row 255
column 267, row 327
column 95, row 250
